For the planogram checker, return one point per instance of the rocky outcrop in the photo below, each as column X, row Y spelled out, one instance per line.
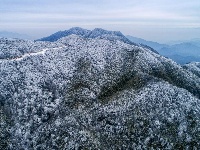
column 86, row 93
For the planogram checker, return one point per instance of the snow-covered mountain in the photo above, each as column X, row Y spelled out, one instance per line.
column 95, row 93
column 96, row 33
column 60, row 34
column 194, row 67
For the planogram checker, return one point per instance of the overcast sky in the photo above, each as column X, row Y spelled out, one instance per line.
column 156, row 20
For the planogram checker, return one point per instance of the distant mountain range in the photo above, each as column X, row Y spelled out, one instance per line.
column 195, row 41
column 182, row 53
column 7, row 34
column 154, row 45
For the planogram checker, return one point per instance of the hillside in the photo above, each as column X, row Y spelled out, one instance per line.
column 194, row 67
column 95, row 93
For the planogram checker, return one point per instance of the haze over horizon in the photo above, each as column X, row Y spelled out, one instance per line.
column 154, row 20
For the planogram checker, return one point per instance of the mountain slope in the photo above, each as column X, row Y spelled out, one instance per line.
column 154, row 45
column 60, row 34
column 79, row 93
column 194, row 67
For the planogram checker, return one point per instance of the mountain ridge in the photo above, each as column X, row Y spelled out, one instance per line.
column 96, row 33
column 154, row 45
column 181, row 52
column 7, row 34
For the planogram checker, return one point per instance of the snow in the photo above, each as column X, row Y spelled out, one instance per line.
column 84, row 88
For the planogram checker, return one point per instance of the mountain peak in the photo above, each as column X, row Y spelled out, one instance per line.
column 77, row 29
column 100, row 30
column 97, row 32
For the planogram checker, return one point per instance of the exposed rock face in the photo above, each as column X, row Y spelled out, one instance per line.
column 83, row 93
